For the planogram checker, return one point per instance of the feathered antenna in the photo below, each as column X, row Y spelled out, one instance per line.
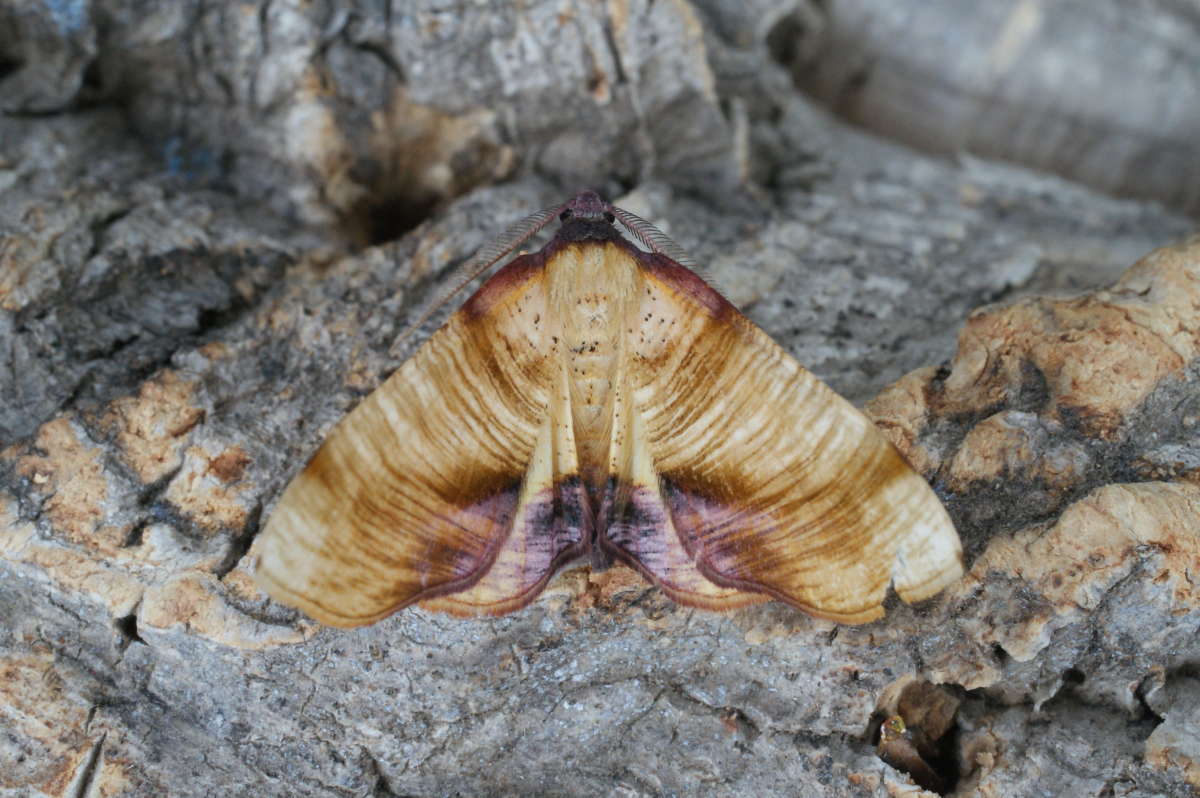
column 656, row 240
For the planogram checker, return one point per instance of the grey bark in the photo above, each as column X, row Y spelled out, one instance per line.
column 1102, row 93
column 215, row 219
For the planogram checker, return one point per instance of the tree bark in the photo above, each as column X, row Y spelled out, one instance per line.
column 215, row 222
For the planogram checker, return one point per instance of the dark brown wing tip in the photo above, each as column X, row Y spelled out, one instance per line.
column 510, row 276
column 686, row 282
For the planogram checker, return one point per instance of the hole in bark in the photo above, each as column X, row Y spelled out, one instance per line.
column 126, row 626
column 1073, row 676
column 93, row 79
column 390, row 217
column 915, row 730
column 784, row 39
column 8, row 65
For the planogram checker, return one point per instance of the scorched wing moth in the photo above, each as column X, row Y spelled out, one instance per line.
column 596, row 400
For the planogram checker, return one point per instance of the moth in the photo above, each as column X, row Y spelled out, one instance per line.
column 598, row 401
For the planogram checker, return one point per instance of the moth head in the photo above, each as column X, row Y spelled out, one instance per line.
column 588, row 206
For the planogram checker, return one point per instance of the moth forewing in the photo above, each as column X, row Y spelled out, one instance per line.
column 593, row 399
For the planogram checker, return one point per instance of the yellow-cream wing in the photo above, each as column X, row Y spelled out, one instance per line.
column 443, row 486
column 636, row 522
column 772, row 483
column 595, row 288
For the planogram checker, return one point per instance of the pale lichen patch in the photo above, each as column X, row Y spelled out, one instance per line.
column 152, row 427
column 195, row 602
column 67, row 472
column 205, row 489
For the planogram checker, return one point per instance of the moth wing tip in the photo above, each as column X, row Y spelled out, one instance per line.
column 928, row 560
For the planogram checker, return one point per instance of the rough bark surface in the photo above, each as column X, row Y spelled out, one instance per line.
column 1110, row 97
column 214, row 221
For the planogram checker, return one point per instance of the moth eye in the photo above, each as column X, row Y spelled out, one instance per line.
column 608, row 217
column 567, row 214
